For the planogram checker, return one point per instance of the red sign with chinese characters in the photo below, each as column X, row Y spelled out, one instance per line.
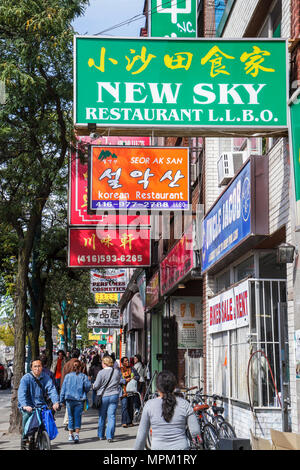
column 111, row 247
column 78, row 188
column 178, row 262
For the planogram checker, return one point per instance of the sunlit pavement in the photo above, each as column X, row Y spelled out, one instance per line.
column 124, row 437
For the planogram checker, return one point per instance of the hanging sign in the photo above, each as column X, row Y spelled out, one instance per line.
column 229, row 221
column 152, row 291
column 78, row 189
column 122, row 247
column 295, row 141
column 180, row 87
column 110, row 280
column 99, row 317
column 178, row 262
column 236, row 221
column 173, row 18
column 104, row 298
column 152, row 178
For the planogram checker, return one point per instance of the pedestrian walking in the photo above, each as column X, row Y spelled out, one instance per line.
column 141, row 370
column 46, row 370
column 129, row 376
column 33, row 388
column 94, row 369
column 107, row 385
column 68, row 367
column 168, row 416
column 73, row 394
column 57, row 367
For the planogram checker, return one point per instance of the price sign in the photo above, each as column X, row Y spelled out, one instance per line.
column 103, row 317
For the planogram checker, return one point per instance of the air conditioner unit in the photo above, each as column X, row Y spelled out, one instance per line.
column 229, row 164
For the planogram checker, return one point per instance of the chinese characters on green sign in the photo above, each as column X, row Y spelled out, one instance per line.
column 181, row 84
column 173, row 18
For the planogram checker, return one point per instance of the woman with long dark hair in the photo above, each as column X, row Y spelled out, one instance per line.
column 168, row 416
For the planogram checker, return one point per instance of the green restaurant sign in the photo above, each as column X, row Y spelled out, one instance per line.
column 197, row 86
column 295, row 141
column 173, row 18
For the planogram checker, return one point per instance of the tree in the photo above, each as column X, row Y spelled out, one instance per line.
column 35, row 131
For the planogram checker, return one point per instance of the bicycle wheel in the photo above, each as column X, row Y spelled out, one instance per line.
column 226, row 431
column 43, row 441
column 210, row 437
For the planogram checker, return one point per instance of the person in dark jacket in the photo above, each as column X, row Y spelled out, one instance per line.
column 95, row 367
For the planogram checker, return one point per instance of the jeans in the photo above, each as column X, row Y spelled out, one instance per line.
column 75, row 409
column 127, row 409
column 108, row 410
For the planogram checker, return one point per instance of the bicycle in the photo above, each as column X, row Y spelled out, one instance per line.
column 39, row 440
column 223, row 428
column 209, row 438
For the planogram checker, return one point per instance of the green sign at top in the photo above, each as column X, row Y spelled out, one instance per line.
column 191, row 86
column 173, row 18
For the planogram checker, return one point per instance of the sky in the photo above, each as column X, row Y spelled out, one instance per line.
column 103, row 15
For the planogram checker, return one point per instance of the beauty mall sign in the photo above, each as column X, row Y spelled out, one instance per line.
column 189, row 85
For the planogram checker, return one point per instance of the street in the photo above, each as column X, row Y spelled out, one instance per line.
column 124, row 438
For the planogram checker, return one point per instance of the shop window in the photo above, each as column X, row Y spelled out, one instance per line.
column 244, row 356
column 222, row 281
column 244, row 269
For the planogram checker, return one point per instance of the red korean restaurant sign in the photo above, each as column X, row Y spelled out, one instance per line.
column 91, row 247
column 149, row 178
column 178, row 262
column 78, row 188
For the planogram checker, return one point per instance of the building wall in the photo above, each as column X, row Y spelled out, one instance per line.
column 239, row 18
column 281, row 214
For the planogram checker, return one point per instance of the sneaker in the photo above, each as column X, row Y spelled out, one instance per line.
column 71, row 438
column 76, row 439
column 102, row 438
column 110, row 440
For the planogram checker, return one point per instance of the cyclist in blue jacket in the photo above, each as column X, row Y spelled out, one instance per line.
column 31, row 395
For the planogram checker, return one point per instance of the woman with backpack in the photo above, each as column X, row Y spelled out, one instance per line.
column 74, row 393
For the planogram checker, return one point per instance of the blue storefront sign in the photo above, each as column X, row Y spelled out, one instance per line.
column 229, row 221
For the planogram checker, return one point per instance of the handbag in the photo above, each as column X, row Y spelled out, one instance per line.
column 99, row 397
column 131, row 386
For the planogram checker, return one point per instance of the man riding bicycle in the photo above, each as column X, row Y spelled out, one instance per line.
column 33, row 389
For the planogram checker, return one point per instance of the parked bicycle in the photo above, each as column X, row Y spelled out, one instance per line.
column 208, row 438
column 215, row 414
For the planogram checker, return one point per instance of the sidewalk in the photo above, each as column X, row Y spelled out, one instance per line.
column 124, row 437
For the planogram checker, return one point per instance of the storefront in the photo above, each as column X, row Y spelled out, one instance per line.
column 245, row 302
column 153, row 320
column 181, row 288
